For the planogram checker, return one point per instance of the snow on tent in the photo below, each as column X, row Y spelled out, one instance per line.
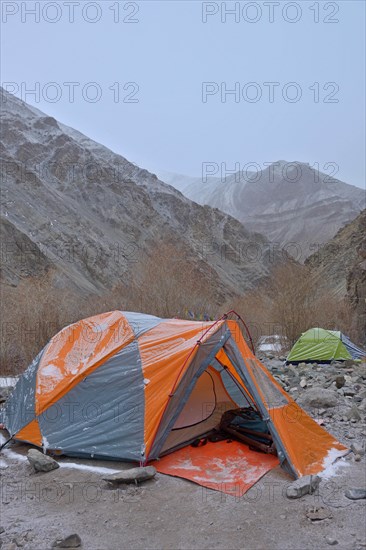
column 323, row 346
column 133, row 387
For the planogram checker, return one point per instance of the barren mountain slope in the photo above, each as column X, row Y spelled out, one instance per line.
column 91, row 213
column 292, row 203
column 335, row 260
column 20, row 256
column 340, row 266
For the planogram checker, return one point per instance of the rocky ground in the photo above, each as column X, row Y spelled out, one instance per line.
column 38, row 510
column 334, row 394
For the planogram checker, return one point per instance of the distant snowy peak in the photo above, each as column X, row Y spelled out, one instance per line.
column 289, row 202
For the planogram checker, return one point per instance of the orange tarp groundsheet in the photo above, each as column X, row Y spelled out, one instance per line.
column 229, row 467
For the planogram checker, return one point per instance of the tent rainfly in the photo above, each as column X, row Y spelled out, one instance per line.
column 323, row 346
column 133, row 387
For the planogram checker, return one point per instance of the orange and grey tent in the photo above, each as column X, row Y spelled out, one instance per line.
column 130, row 386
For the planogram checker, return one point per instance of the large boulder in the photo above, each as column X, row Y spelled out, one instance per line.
column 41, row 462
column 353, row 413
column 5, row 392
column 358, row 448
column 356, row 494
column 72, row 541
column 319, row 397
column 303, row 486
column 133, row 475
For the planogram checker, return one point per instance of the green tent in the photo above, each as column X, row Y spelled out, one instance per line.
column 323, row 346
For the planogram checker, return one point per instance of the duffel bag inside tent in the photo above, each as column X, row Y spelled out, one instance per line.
column 133, row 387
column 322, row 346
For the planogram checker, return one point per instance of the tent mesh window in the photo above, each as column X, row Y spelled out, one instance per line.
column 231, row 386
column 272, row 394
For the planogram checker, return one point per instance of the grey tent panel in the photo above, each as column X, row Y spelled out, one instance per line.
column 103, row 415
column 273, row 397
column 231, row 385
column 20, row 407
column 354, row 351
column 141, row 322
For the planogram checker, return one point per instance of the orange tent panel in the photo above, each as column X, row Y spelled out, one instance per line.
column 166, row 352
column 310, row 448
column 76, row 351
column 31, row 433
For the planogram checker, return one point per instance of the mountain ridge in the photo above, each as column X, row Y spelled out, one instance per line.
column 290, row 203
column 92, row 214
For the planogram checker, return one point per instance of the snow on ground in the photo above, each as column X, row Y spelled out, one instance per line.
column 7, row 381
column 87, row 468
column 11, row 455
column 333, row 463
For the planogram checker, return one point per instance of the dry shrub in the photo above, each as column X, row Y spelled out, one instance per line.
column 253, row 307
column 36, row 310
column 298, row 304
column 334, row 313
column 169, row 285
column 290, row 303
column 165, row 285
column 292, row 300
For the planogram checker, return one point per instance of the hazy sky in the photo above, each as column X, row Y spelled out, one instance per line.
column 174, row 47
